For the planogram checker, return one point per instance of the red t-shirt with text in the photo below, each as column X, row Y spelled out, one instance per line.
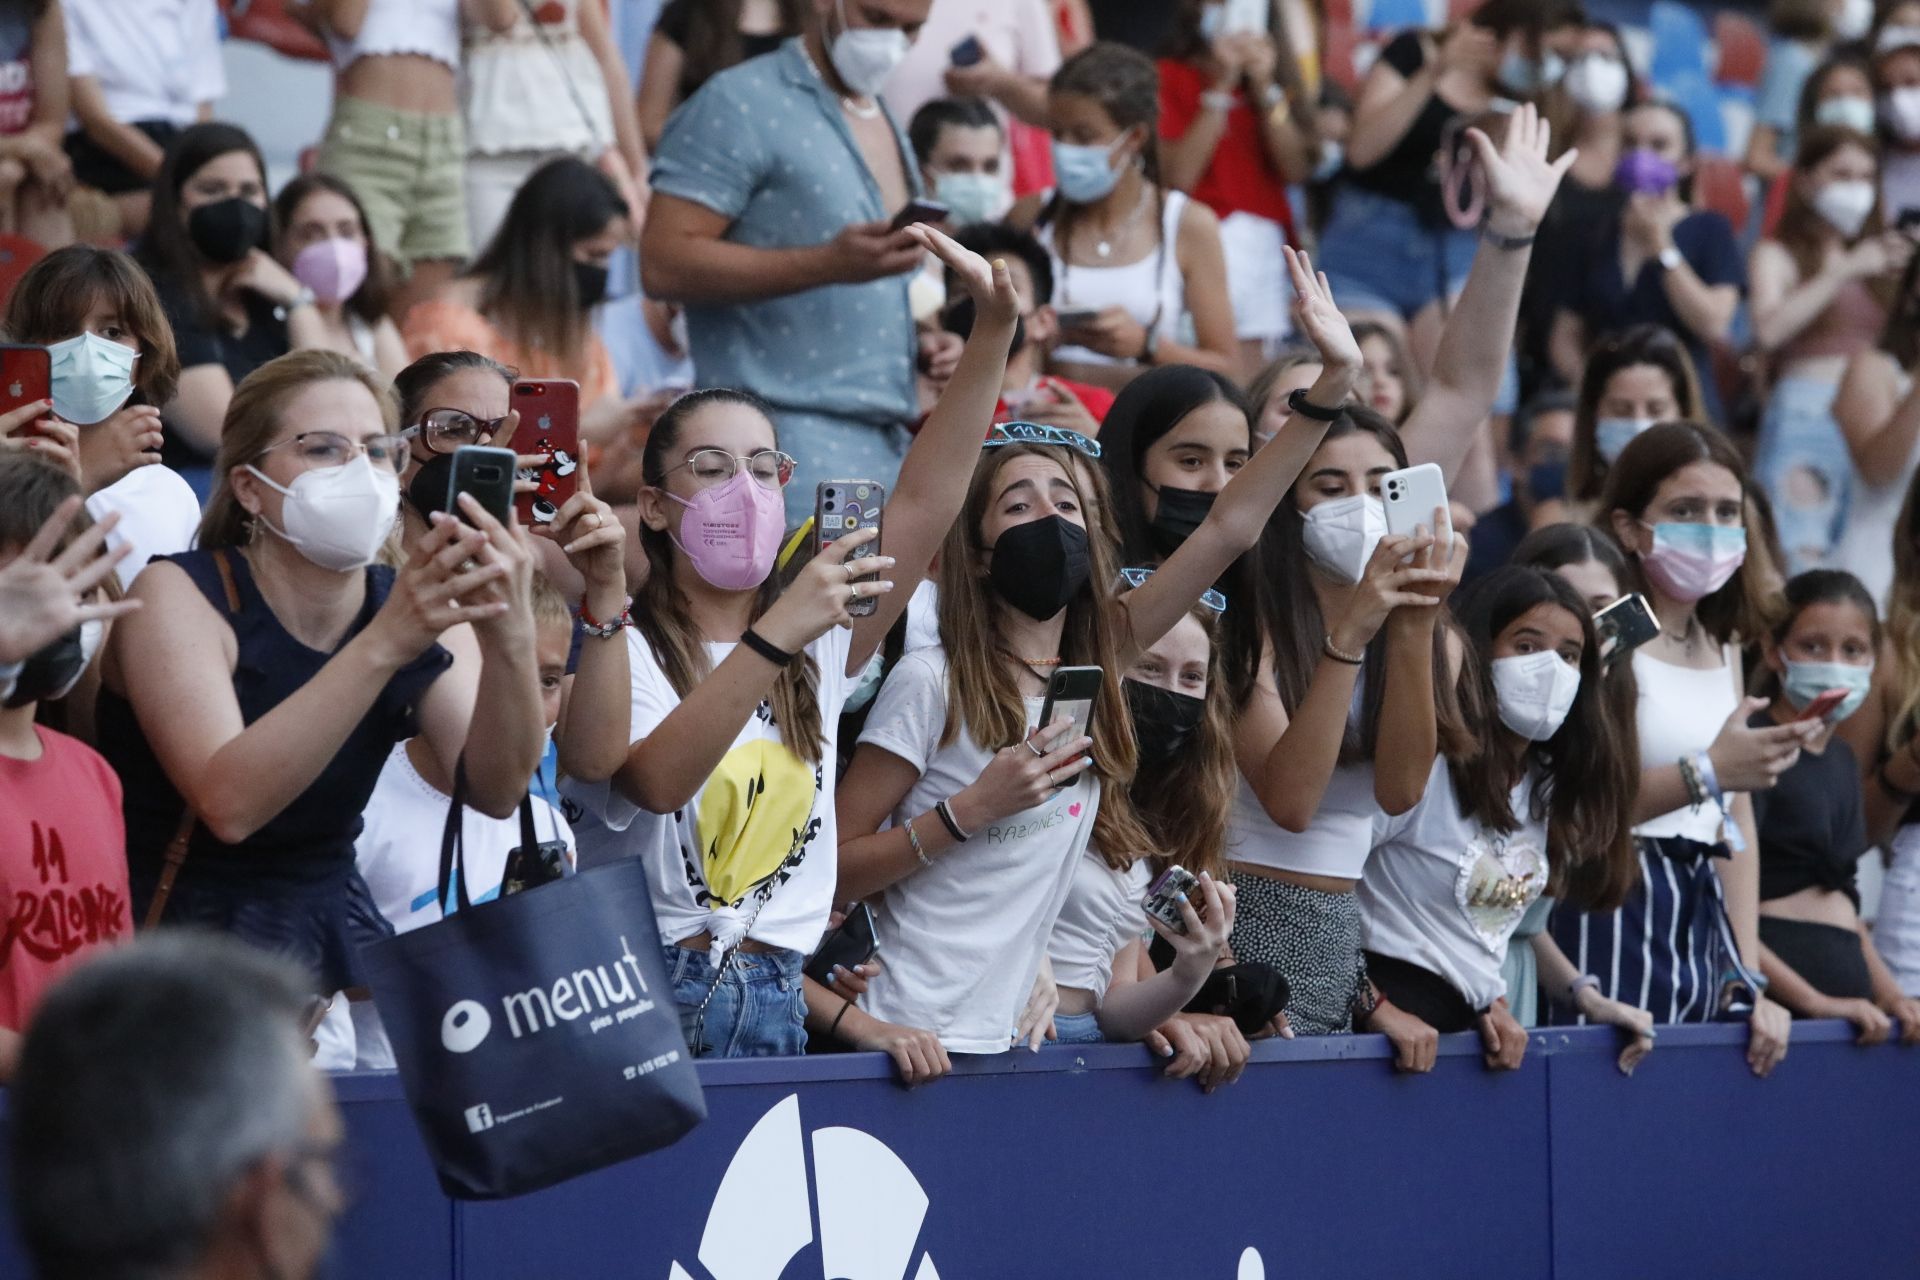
column 63, row 867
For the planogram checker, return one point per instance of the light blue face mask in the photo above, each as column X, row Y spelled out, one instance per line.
column 91, row 378
column 1085, row 173
column 1522, row 74
column 1806, row 681
column 972, row 197
column 1611, row 435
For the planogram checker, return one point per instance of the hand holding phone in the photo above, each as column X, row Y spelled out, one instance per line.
column 549, row 427
column 1414, row 499
column 486, row 473
column 1026, row 775
column 919, row 209
column 967, row 53
column 841, row 507
column 847, row 947
column 1624, row 626
column 1071, row 693
column 1822, row 706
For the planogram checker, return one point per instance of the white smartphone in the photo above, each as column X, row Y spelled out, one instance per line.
column 1411, row 497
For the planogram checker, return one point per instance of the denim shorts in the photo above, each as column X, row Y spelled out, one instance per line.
column 1803, row 464
column 758, row 1009
column 1379, row 256
column 406, row 167
column 1077, row 1028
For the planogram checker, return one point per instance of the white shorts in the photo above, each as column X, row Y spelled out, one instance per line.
column 1257, row 277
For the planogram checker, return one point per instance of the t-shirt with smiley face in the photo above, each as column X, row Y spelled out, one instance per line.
column 961, row 941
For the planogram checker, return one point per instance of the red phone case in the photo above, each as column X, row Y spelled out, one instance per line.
column 26, row 375
column 549, row 424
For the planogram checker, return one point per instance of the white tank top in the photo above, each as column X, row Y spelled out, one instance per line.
column 1152, row 289
column 430, row 28
column 1679, row 714
column 1866, row 547
column 1335, row 843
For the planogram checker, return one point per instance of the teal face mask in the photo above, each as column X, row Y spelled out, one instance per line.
column 1806, row 681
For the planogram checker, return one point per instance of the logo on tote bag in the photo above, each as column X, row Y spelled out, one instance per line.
column 606, row 993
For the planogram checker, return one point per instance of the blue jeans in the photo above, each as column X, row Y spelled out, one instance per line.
column 1803, row 464
column 1379, row 256
column 1077, row 1028
column 758, row 1009
column 837, row 449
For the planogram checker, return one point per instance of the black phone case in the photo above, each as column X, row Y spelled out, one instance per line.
column 487, row 474
column 851, row 944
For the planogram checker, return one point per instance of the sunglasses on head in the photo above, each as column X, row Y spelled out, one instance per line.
column 1137, row 578
column 1034, row 433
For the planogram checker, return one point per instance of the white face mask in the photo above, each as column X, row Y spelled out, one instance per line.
column 1849, row 112
column 1903, row 113
column 1341, row 535
column 1846, row 205
column 91, row 378
column 1597, row 83
column 337, row 517
column 1854, row 19
column 865, row 56
column 1535, row 692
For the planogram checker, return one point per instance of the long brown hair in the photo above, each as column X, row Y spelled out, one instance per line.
column 51, row 302
column 714, row 42
column 166, row 250
column 983, row 696
column 1184, row 803
column 662, row 614
column 1650, row 344
column 1801, row 231
column 369, row 301
column 253, row 420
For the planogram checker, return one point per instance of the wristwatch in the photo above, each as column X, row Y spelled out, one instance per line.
column 1217, row 100
column 1670, row 258
column 1297, row 402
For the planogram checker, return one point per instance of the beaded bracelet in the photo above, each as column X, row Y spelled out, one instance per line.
column 913, row 838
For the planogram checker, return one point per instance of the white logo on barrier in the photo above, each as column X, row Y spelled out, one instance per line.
column 870, row 1206
column 479, row 1118
column 465, row 1026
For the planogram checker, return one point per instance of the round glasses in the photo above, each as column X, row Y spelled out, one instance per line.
column 711, row 468
column 444, row 430
column 319, row 449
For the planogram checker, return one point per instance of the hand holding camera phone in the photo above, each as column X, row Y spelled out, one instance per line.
column 486, row 473
column 841, row 507
column 847, row 947
column 1412, row 497
column 1071, row 693
column 919, row 210
column 550, row 427
column 1624, row 626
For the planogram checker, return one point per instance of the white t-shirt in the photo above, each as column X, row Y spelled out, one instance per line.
column 923, row 617
column 398, row 853
column 1446, row 894
column 159, row 516
column 760, row 835
column 154, row 59
column 963, row 939
column 1102, row 914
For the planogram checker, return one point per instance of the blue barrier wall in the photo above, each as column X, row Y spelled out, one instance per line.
column 1321, row 1162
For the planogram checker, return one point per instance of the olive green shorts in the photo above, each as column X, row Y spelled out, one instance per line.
column 408, row 168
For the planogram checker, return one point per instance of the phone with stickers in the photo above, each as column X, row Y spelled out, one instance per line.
column 841, row 507
column 549, row 426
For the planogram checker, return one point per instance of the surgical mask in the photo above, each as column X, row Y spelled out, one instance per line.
column 337, row 517
column 1522, row 74
column 972, row 197
column 1645, row 172
column 1085, row 172
column 1332, row 156
column 731, row 533
column 91, row 378
column 590, row 280
column 333, row 268
column 1598, row 83
column 1854, row 20
column 1341, row 535
column 1690, row 562
column 1903, row 113
column 1180, row 512
column 1849, row 112
column 1038, row 567
column 1163, row 721
column 1612, row 435
column 51, row 671
column 1535, row 691
column 1806, row 681
column 227, row 230
column 1845, row 205
column 865, row 56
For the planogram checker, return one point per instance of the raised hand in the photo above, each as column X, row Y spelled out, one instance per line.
column 1199, row 947
column 990, row 284
column 1317, row 316
column 1520, row 180
column 43, row 596
column 428, row 594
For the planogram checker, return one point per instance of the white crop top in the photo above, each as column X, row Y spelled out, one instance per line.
column 1334, row 844
column 430, row 28
column 1102, row 914
column 1152, row 290
column 1679, row 714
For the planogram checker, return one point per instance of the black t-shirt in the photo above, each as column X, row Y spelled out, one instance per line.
column 200, row 343
column 676, row 22
column 1812, row 829
column 1410, row 172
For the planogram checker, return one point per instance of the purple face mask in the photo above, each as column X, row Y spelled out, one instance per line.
column 732, row 532
column 1642, row 172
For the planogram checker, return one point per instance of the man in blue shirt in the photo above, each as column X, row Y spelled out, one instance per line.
column 773, row 191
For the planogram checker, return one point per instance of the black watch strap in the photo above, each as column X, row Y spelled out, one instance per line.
column 1297, row 402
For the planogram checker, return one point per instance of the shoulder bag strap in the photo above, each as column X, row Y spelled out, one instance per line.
column 176, row 854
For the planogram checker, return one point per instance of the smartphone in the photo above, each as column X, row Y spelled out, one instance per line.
column 1624, row 626
column 1071, row 693
column 920, row 210
column 967, row 53
column 1163, row 896
column 26, row 375
column 1411, row 497
column 849, row 946
column 531, row 868
column 1823, row 704
column 486, row 473
column 841, row 507
column 550, row 424
column 1077, row 317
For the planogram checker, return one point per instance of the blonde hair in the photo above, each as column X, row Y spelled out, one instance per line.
column 253, row 420
column 549, row 606
column 982, row 694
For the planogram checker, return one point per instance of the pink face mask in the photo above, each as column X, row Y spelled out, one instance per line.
column 334, row 269
column 732, row 532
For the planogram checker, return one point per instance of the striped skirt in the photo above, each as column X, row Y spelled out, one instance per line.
column 1668, row 949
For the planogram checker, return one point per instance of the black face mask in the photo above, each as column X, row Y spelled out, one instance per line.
column 1038, row 567
column 49, row 672
column 227, row 230
column 427, row 491
column 1163, row 721
column 958, row 318
column 590, row 278
column 1178, row 515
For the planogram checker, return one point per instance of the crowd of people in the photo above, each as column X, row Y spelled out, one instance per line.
column 1601, row 739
